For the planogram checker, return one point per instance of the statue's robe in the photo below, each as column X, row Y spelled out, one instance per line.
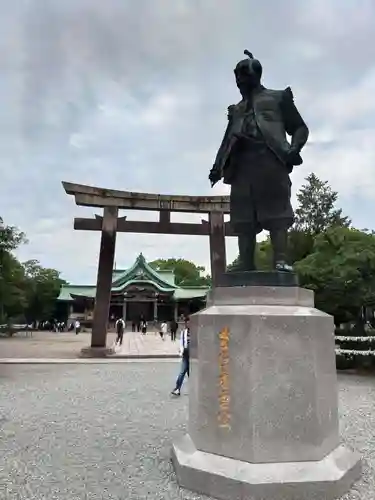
column 253, row 159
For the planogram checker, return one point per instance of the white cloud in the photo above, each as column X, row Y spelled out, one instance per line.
column 349, row 164
column 133, row 95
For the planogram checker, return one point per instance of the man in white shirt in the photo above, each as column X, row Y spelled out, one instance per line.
column 77, row 326
column 163, row 330
column 185, row 354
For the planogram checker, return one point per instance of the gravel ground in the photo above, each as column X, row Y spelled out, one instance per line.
column 87, row 432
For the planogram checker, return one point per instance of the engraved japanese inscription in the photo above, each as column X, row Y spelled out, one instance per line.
column 224, row 416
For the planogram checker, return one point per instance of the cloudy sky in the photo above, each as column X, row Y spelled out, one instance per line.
column 133, row 95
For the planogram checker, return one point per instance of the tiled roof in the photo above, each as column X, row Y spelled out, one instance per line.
column 142, row 270
column 66, row 292
column 139, row 273
column 189, row 293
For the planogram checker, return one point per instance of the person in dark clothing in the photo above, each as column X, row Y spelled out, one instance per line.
column 173, row 327
column 120, row 327
column 141, row 320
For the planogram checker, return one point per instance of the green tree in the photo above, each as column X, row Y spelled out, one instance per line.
column 233, row 263
column 341, row 271
column 26, row 290
column 316, row 212
column 186, row 272
column 12, row 298
column 42, row 289
column 263, row 256
column 10, row 237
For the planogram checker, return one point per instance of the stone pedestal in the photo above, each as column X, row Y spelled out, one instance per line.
column 263, row 419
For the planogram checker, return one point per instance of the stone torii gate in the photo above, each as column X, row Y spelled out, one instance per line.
column 109, row 224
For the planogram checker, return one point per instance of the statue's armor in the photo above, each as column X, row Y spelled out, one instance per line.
column 250, row 127
column 253, row 158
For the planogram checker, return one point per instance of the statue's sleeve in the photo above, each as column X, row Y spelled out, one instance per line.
column 293, row 121
column 224, row 143
column 231, row 109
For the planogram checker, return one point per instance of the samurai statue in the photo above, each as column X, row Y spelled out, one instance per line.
column 255, row 159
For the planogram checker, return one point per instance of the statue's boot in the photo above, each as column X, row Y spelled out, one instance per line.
column 246, row 257
column 279, row 242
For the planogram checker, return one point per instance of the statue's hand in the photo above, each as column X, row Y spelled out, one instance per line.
column 214, row 176
column 293, row 157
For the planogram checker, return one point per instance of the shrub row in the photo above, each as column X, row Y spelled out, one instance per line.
column 353, row 359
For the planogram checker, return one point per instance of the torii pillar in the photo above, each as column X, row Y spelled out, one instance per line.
column 98, row 346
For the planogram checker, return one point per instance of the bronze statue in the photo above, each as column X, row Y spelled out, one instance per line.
column 256, row 159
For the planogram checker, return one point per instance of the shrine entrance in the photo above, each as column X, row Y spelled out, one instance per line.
column 109, row 224
column 136, row 310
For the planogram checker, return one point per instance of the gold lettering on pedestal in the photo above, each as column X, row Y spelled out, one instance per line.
column 224, row 416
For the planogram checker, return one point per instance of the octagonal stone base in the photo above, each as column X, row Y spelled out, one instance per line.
column 263, row 407
column 225, row 478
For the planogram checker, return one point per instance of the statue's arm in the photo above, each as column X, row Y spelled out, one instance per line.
column 293, row 121
column 224, row 142
column 216, row 172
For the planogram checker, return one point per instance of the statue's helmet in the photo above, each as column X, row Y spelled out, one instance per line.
column 248, row 72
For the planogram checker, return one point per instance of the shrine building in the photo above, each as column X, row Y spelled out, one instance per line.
column 137, row 291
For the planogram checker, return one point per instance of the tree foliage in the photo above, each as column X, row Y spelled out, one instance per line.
column 263, row 256
column 12, row 287
column 10, row 237
column 42, row 289
column 27, row 290
column 316, row 212
column 186, row 273
column 341, row 271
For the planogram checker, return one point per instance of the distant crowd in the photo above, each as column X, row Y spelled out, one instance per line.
column 140, row 325
column 59, row 326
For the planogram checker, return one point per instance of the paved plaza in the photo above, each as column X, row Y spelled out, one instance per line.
column 103, row 432
column 67, row 345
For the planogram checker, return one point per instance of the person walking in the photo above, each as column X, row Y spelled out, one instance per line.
column 140, row 323
column 120, row 327
column 173, row 327
column 163, row 330
column 185, row 355
column 144, row 327
column 77, row 326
